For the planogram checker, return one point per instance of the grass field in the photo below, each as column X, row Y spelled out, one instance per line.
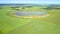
column 14, row 25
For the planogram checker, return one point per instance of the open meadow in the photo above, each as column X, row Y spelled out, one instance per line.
column 15, row 25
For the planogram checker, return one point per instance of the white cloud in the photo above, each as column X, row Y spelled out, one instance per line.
column 31, row 1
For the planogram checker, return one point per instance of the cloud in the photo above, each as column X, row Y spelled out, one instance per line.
column 31, row 1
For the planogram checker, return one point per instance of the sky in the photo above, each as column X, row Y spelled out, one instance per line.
column 30, row 1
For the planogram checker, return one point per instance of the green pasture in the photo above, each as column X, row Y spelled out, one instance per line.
column 14, row 25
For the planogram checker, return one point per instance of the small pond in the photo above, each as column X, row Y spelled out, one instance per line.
column 35, row 13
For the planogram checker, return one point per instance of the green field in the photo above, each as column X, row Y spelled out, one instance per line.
column 14, row 25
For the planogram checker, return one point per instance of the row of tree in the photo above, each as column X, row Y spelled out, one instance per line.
column 52, row 7
column 20, row 8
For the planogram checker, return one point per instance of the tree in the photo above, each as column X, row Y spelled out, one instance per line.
column 28, row 6
column 0, row 7
column 17, row 9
